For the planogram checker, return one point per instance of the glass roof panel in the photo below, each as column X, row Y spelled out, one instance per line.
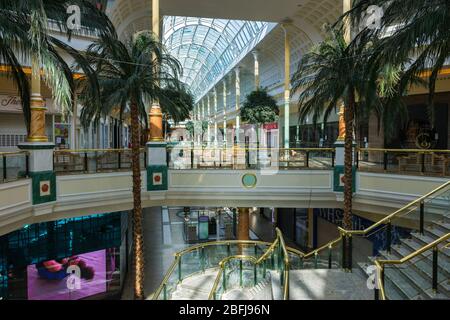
column 209, row 48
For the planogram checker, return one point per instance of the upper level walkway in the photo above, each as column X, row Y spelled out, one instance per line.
column 98, row 181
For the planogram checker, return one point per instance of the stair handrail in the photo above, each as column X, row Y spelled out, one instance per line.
column 180, row 254
column 278, row 241
column 388, row 218
column 348, row 233
column 380, row 263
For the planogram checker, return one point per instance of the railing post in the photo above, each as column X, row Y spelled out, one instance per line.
column 145, row 158
column 422, row 170
column 385, row 161
column 316, row 257
column 300, row 262
column 96, row 161
column 85, row 162
column 224, row 278
column 377, row 293
column 192, row 157
column 357, row 158
column 333, row 156
column 228, row 249
column 255, row 275
column 27, row 164
column 202, row 258
column 307, row 159
column 350, row 252
column 435, row 268
column 256, row 250
column 179, row 270
column 388, row 237
column 119, row 160
column 330, row 257
column 422, row 217
column 344, row 244
column 164, row 292
column 264, row 268
column 240, row 273
column 4, row 167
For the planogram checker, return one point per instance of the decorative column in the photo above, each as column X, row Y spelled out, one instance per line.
column 243, row 224
column 156, row 147
column 257, row 78
column 287, row 84
column 208, row 117
column 40, row 150
column 215, row 118
column 238, row 101
column 225, row 113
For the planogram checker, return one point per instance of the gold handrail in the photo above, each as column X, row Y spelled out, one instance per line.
column 14, row 153
column 380, row 264
column 404, row 150
column 278, row 241
column 344, row 232
column 394, row 214
column 181, row 253
column 94, row 150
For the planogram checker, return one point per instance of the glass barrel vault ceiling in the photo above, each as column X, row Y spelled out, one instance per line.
column 208, row 48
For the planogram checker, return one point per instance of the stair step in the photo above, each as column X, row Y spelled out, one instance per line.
column 423, row 261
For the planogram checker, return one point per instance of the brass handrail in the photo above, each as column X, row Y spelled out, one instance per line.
column 14, row 153
column 181, row 253
column 380, row 264
column 403, row 150
column 394, row 214
column 93, row 150
column 344, row 232
column 278, row 241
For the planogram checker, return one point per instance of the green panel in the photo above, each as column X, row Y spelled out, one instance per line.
column 39, row 191
column 338, row 171
column 154, row 173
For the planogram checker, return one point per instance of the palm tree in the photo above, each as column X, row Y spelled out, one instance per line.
column 414, row 33
column 26, row 35
column 336, row 72
column 127, row 78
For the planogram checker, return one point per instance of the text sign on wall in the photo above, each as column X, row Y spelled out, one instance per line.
column 11, row 103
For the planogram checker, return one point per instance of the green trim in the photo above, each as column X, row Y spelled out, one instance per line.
column 338, row 170
column 37, row 178
column 157, row 169
column 36, row 146
column 249, row 180
column 156, row 144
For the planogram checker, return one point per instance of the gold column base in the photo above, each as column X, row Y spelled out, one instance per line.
column 155, row 123
column 37, row 123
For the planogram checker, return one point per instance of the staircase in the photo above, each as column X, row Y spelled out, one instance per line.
column 198, row 287
column 413, row 281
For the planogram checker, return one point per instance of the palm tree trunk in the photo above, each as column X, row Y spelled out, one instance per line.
column 348, row 160
column 138, row 238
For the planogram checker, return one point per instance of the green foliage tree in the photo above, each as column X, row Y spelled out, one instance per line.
column 259, row 108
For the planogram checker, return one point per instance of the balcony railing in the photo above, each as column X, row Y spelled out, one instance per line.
column 94, row 160
column 404, row 161
column 14, row 166
column 236, row 158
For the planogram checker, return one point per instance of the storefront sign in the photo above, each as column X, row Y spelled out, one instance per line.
column 12, row 103
column 271, row 126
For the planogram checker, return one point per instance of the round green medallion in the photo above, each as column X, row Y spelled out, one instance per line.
column 249, row 180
